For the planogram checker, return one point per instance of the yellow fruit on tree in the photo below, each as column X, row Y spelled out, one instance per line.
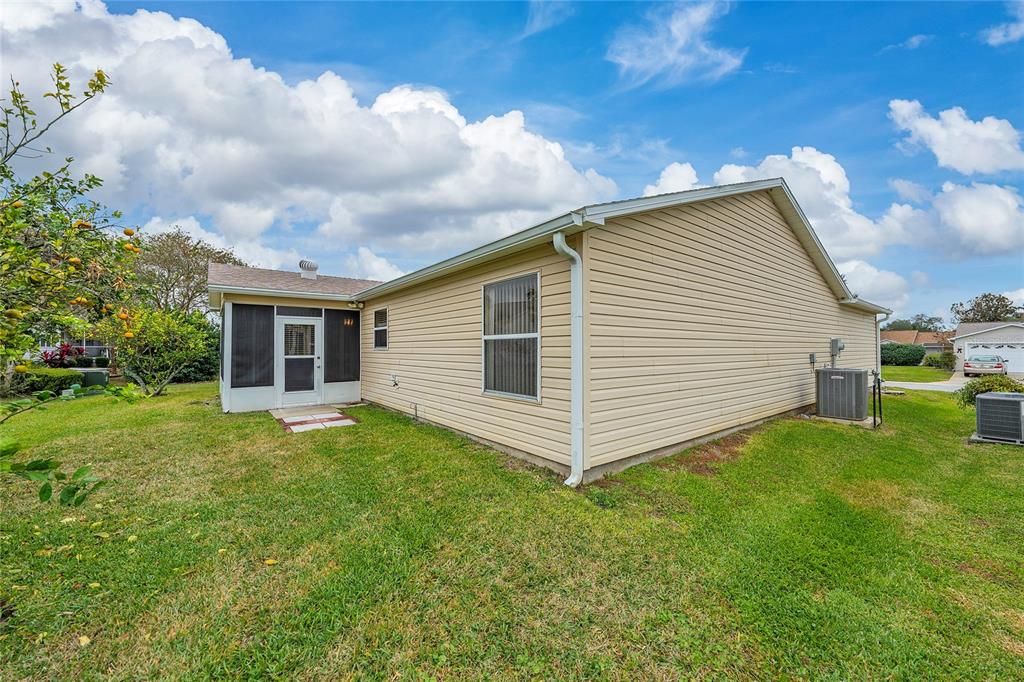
column 75, row 261
column 18, row 204
column 129, row 335
column 128, row 246
column 122, row 316
column 129, row 231
column 83, row 224
column 20, row 369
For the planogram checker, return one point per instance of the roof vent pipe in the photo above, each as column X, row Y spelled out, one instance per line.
column 575, row 358
column 307, row 269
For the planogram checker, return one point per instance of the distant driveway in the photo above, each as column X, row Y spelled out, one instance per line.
column 948, row 386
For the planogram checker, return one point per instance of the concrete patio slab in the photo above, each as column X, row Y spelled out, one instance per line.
column 303, row 410
column 298, row 428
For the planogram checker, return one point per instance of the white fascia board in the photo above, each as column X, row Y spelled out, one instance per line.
column 218, row 290
column 990, row 329
column 520, row 240
column 598, row 213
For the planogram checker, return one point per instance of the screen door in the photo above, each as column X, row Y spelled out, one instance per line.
column 302, row 371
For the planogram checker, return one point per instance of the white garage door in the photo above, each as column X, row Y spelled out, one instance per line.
column 1013, row 353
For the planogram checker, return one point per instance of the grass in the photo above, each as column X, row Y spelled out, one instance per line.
column 806, row 550
column 920, row 374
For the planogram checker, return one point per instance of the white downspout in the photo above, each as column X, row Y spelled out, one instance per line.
column 878, row 342
column 575, row 358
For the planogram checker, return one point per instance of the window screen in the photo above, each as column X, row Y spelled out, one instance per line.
column 341, row 345
column 380, row 328
column 512, row 337
column 252, row 345
column 299, row 339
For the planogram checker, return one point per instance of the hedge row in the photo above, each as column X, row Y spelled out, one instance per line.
column 902, row 354
column 45, row 379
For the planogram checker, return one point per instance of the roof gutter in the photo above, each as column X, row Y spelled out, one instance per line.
column 867, row 307
column 575, row 358
column 538, row 234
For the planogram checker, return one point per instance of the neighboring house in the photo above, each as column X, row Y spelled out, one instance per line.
column 606, row 336
column 933, row 342
column 1005, row 339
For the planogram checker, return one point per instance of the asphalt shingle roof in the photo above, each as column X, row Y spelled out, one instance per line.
column 242, row 277
column 965, row 328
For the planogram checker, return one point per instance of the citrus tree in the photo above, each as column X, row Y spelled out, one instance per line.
column 64, row 259
column 153, row 346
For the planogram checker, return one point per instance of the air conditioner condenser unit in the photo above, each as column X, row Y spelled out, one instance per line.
column 1000, row 417
column 842, row 393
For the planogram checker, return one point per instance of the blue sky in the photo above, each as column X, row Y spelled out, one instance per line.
column 625, row 90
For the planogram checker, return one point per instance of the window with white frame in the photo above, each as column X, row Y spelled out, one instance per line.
column 511, row 337
column 380, row 328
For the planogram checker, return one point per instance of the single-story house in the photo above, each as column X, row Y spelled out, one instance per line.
column 612, row 334
column 933, row 342
column 1005, row 339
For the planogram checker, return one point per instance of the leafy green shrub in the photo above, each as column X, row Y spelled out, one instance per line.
column 102, row 362
column 902, row 354
column 83, row 361
column 998, row 383
column 53, row 379
column 945, row 360
column 206, row 366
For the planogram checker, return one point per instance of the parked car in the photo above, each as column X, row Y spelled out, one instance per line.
column 976, row 365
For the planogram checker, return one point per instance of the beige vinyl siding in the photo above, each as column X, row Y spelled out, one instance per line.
column 701, row 318
column 434, row 348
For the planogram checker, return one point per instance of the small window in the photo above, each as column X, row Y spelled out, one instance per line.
column 511, row 337
column 380, row 328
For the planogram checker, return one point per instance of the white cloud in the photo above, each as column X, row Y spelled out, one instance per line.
column 365, row 264
column 545, row 14
column 986, row 146
column 738, row 153
column 920, row 279
column 877, row 286
column 672, row 47
column 820, row 184
column 910, row 191
column 1009, row 32
column 675, row 177
column 911, row 43
column 986, row 219
column 1016, row 295
column 188, row 129
column 964, row 221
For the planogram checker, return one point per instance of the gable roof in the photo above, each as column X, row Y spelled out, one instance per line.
column 568, row 223
column 223, row 278
column 914, row 336
column 899, row 336
column 596, row 214
column 971, row 328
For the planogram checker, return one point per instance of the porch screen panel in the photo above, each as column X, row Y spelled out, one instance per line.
column 341, row 345
column 252, row 345
column 512, row 337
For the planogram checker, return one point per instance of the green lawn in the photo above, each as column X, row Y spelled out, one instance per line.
column 922, row 374
column 808, row 550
